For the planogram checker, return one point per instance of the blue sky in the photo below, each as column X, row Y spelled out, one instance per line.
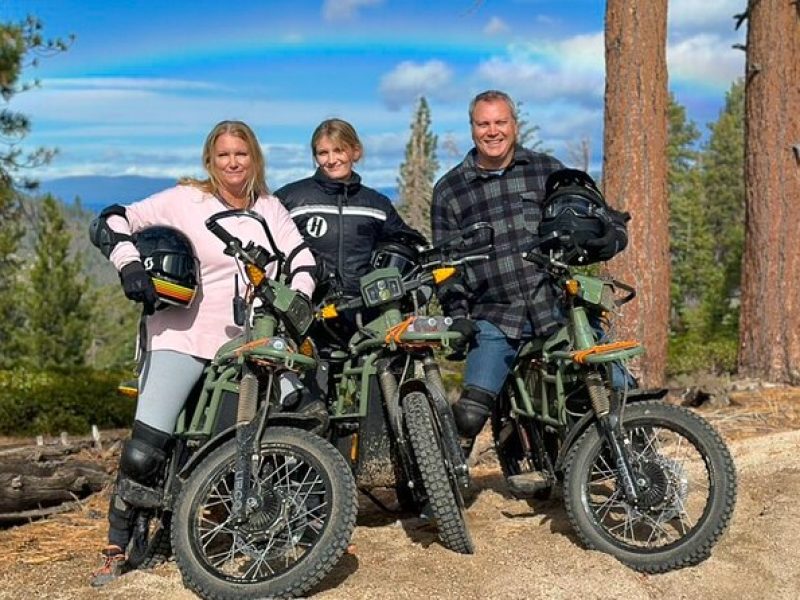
column 144, row 81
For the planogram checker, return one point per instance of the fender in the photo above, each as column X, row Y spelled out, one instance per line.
column 286, row 419
column 588, row 418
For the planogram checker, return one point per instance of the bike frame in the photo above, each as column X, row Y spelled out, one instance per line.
column 545, row 369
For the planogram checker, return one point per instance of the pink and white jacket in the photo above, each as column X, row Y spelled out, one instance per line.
column 208, row 323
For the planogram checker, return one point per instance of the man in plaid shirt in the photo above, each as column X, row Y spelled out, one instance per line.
column 507, row 298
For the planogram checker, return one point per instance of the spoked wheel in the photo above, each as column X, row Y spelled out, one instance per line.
column 686, row 486
column 297, row 527
column 441, row 489
column 150, row 543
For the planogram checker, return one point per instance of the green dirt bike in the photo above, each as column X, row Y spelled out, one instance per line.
column 389, row 412
column 252, row 501
column 650, row 483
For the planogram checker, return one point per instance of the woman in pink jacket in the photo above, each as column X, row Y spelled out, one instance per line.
column 181, row 340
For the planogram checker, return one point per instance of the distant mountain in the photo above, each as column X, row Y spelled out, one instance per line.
column 97, row 192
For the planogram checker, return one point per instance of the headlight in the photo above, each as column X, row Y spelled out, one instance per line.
column 380, row 291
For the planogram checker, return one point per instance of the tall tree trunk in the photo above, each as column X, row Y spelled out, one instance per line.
column 770, row 311
column 635, row 169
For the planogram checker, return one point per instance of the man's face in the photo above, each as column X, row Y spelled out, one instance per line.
column 494, row 132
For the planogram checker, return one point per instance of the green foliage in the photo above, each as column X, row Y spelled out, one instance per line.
column 59, row 304
column 48, row 402
column 418, row 172
column 692, row 353
column 706, row 222
column 113, row 334
column 723, row 190
column 11, row 306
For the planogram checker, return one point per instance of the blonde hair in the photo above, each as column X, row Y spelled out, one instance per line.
column 256, row 182
column 339, row 132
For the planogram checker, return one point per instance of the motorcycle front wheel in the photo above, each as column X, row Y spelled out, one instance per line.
column 441, row 489
column 298, row 525
column 686, row 487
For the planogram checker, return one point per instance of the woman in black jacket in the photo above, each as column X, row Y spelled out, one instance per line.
column 341, row 219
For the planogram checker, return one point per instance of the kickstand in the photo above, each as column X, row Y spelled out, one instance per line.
column 380, row 504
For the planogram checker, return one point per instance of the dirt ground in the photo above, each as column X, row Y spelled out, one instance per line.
column 524, row 550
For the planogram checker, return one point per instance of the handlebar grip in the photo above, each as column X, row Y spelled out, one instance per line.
column 219, row 231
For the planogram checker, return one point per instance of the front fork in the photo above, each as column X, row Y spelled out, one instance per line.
column 610, row 421
column 250, row 426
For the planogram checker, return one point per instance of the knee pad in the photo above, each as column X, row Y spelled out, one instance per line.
column 144, row 454
column 472, row 410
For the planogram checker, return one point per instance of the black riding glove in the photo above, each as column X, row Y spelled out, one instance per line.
column 138, row 286
column 468, row 330
column 614, row 240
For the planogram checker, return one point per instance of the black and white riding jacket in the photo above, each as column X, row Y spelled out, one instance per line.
column 342, row 222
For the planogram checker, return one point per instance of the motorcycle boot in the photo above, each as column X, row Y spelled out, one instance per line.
column 471, row 412
column 113, row 566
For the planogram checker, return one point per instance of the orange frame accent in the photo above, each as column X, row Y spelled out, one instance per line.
column 579, row 356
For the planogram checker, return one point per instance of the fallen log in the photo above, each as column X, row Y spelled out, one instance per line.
column 37, row 486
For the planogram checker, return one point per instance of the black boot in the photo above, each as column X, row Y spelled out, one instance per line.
column 470, row 413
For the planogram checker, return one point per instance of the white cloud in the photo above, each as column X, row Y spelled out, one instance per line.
column 714, row 15
column 409, row 80
column 340, row 10
column 706, row 59
column 546, row 71
column 496, row 26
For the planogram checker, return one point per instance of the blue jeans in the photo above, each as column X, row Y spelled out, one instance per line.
column 492, row 355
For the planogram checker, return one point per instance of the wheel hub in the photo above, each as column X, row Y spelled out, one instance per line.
column 652, row 484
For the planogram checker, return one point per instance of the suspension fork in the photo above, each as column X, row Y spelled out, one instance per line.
column 250, row 426
column 611, row 428
column 433, row 377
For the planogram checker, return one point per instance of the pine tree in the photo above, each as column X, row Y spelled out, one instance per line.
column 20, row 45
column 528, row 132
column 769, row 338
column 723, row 190
column 690, row 239
column 635, row 169
column 11, row 314
column 58, row 306
column 418, row 171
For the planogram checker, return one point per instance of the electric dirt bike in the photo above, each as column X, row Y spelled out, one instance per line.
column 650, row 483
column 389, row 412
column 254, row 502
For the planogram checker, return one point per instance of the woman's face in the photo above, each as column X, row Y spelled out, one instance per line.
column 232, row 162
column 336, row 159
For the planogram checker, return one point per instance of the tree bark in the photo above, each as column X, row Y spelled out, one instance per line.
column 769, row 329
column 635, row 170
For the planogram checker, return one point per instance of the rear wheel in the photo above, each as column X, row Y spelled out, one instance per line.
column 444, row 497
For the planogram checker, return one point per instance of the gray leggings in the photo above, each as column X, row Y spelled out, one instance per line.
column 165, row 383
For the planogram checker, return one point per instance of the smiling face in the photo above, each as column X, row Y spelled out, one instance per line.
column 494, row 132
column 232, row 164
column 336, row 159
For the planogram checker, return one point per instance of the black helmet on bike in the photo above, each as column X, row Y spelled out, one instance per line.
column 577, row 220
column 400, row 251
column 169, row 259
